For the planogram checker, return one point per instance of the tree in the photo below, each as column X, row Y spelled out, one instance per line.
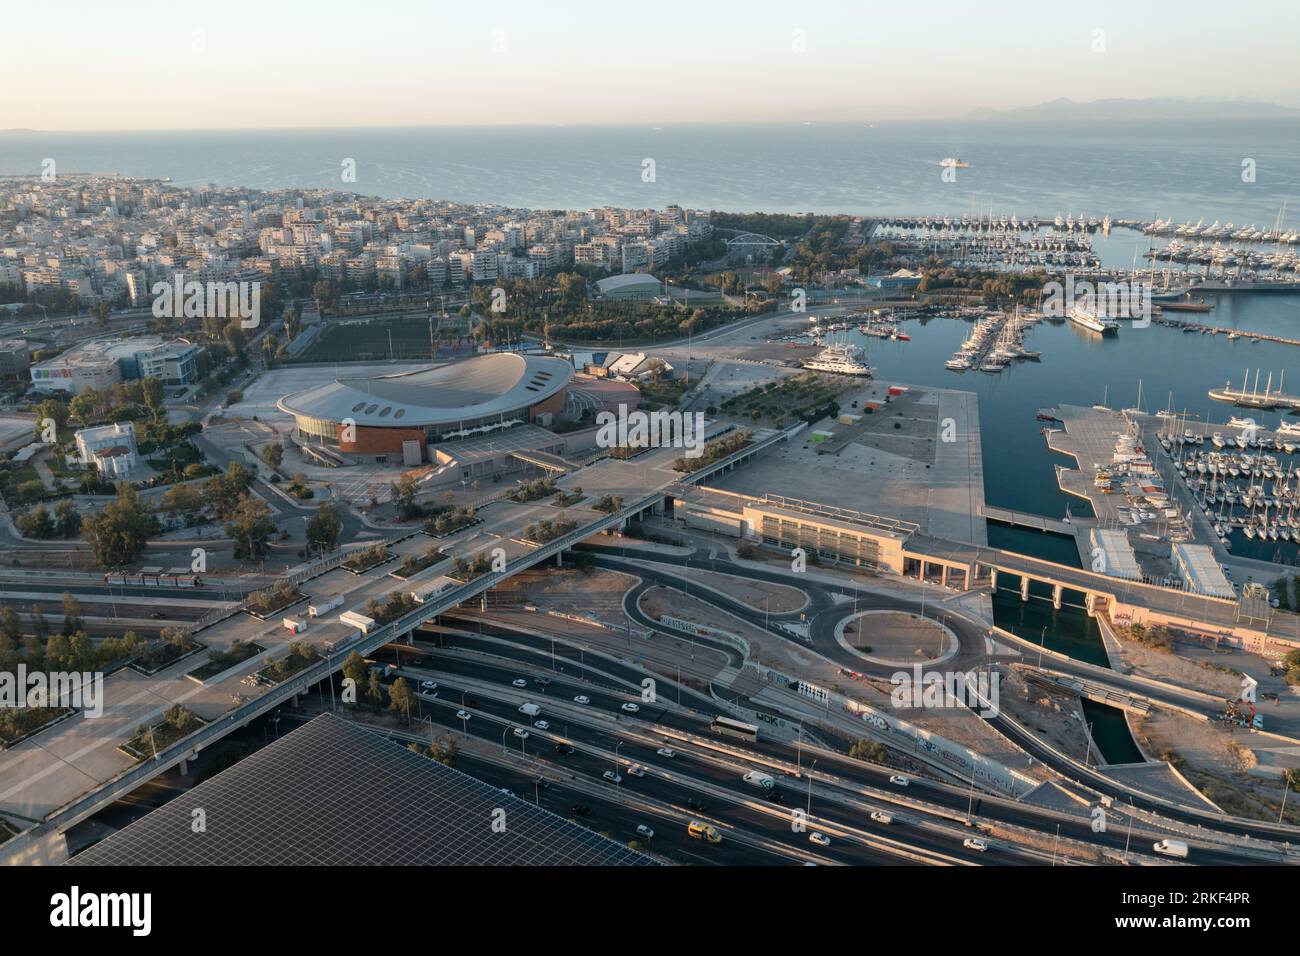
column 375, row 690
column 324, row 528
column 11, row 625
column 250, row 527
column 67, row 519
column 401, row 699
column 71, row 612
column 404, row 490
column 119, row 532
column 272, row 454
column 225, row 491
column 182, row 499
column 356, row 669
column 40, row 626
column 152, row 392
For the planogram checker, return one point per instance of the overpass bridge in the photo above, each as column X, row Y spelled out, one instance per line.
column 34, row 844
column 1124, row 602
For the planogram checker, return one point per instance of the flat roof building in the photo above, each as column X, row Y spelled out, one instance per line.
column 1201, row 571
column 102, row 363
column 1112, row 554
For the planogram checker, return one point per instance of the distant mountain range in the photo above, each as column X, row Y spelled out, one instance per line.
column 1154, row 108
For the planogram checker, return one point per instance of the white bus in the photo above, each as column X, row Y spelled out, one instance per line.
column 734, row 728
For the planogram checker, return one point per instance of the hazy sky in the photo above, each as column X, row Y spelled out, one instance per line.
column 86, row 64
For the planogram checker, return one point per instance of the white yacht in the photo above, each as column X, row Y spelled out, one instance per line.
column 1091, row 320
column 840, row 359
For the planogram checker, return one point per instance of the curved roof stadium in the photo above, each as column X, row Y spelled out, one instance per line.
column 486, row 386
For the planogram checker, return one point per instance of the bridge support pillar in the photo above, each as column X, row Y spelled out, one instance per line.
column 1024, row 588
column 184, row 767
column 559, row 559
column 943, row 575
column 1090, row 602
column 1056, row 596
column 993, row 578
column 482, row 601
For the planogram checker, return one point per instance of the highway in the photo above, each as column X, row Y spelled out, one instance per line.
column 533, row 658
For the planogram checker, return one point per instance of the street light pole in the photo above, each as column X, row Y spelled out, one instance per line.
column 808, row 811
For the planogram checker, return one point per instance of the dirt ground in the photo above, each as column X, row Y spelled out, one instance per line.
column 1215, row 763
column 895, row 636
column 1179, row 670
column 777, row 598
column 1051, row 714
column 659, row 601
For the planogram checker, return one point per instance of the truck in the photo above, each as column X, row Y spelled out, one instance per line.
column 530, row 710
column 293, row 625
column 324, row 605
column 433, row 590
column 362, row 623
column 1171, row 848
column 761, row 780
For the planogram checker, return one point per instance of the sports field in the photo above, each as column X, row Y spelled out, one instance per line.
column 398, row 337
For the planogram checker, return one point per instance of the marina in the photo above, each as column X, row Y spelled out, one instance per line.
column 994, row 343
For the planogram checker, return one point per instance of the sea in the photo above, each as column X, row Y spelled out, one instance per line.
column 1185, row 170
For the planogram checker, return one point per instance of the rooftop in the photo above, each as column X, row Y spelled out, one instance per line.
column 335, row 793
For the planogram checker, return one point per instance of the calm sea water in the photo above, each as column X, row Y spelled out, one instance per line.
column 1126, row 170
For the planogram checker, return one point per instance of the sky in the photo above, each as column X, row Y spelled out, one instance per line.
column 136, row 64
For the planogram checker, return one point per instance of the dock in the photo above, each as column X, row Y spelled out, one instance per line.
column 1024, row 519
column 1221, row 330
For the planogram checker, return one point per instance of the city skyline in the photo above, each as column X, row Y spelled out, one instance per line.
column 170, row 67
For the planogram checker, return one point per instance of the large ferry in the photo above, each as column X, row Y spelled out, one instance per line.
column 840, row 359
column 1092, row 321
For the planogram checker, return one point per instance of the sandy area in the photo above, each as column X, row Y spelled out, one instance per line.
column 760, row 595
column 895, row 636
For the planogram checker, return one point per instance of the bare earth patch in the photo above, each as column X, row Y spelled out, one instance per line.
column 760, row 595
column 897, row 636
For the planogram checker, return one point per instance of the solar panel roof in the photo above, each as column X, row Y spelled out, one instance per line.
column 334, row 793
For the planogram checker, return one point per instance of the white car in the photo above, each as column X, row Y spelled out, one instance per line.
column 880, row 816
column 899, row 780
column 636, row 770
column 582, row 699
column 666, row 752
column 521, row 733
column 519, row 682
column 462, row 715
column 821, row 839
column 631, row 708
column 645, row 831
column 541, row 725
column 976, row 844
column 428, row 685
column 612, row 777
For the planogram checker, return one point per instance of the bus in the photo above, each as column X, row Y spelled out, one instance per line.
column 734, row 728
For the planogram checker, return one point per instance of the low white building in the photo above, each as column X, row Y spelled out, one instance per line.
column 110, row 449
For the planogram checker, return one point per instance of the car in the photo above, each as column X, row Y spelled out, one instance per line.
column 541, row 725
column 519, row 682
column 582, row 699
column 880, row 816
column 899, row 780
column 563, row 748
column 157, row 615
column 472, row 702
column 821, row 839
column 631, row 708
column 695, row 805
column 666, row 752
column 521, row 733
column 612, row 777
column 636, row 770
column 776, row 796
column 704, row 831
column 462, row 715
column 428, row 685
column 976, row 844
column 645, row 831
column 543, row 681
column 580, row 809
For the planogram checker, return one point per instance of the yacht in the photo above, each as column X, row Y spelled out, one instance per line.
column 839, row 359
column 1288, row 428
column 953, row 162
column 1092, row 321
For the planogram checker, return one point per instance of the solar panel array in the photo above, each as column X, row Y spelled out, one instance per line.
column 333, row 793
